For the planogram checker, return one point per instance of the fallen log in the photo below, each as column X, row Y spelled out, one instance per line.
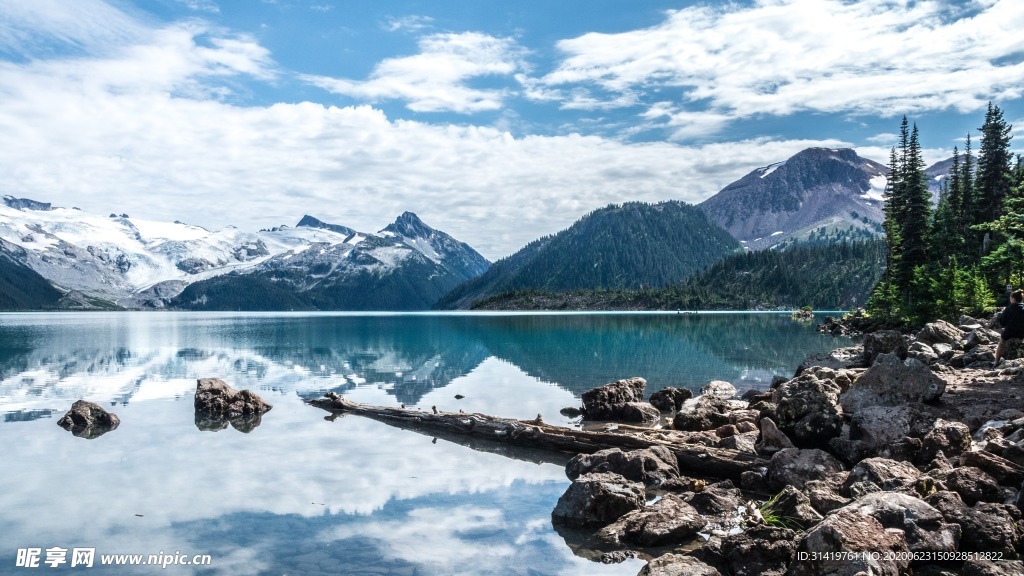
column 694, row 459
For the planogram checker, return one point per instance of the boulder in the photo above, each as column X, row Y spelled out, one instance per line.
column 849, row 534
column 981, row 336
column 884, row 342
column 984, row 528
column 719, row 499
column 923, row 525
column 973, row 485
column 650, row 466
column 760, row 551
column 885, row 473
column 640, row 412
column 878, row 427
column 1002, row 470
column 796, row 467
column 677, row 565
column 708, row 413
column 598, row 499
column 745, row 442
column 940, row 332
column 88, row 420
column 670, row 399
column 949, row 437
column 806, row 410
column 217, row 405
column 718, row 388
column 669, row 521
column 607, row 402
column 793, row 508
column 923, row 352
column 823, row 496
column 891, row 382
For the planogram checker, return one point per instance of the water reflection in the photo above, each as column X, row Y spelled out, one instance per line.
column 302, row 494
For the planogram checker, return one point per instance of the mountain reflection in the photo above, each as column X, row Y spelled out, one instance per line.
column 47, row 360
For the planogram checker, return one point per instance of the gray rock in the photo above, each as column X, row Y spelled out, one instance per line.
column 670, row 399
column 880, row 426
column 984, row 528
column 939, row 332
column 677, row 565
column 719, row 499
column 651, row 466
column 884, row 342
column 923, row 525
column 760, row 551
column 669, row 521
column 771, row 440
column 88, row 420
column 740, row 442
column 973, row 485
column 641, row 412
column 950, row 437
column 981, row 336
column 1014, row 349
column 606, row 402
column 794, row 508
column 598, row 499
column 796, row 467
column 718, row 388
column 885, row 473
column 708, row 413
column 891, row 382
column 823, row 496
column 922, row 352
column 849, row 533
column 806, row 409
column 217, row 404
column 1002, row 470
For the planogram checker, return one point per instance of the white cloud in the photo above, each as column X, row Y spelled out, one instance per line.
column 436, row 79
column 28, row 28
column 412, row 23
column 871, row 57
column 201, row 5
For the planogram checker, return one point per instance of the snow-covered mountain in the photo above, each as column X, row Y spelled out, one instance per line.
column 139, row 263
column 818, row 193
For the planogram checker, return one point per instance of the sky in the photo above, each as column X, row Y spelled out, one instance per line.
column 497, row 122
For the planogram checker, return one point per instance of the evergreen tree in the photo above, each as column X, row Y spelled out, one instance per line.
column 1005, row 264
column 915, row 218
column 993, row 165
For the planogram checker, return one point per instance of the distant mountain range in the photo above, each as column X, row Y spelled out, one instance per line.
column 54, row 257
column 632, row 245
column 119, row 261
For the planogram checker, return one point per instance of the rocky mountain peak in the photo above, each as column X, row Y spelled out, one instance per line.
column 410, row 226
column 311, row 222
column 26, row 204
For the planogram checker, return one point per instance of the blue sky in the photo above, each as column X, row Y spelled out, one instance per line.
column 497, row 122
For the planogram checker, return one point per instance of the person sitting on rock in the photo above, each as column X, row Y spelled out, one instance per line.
column 1012, row 321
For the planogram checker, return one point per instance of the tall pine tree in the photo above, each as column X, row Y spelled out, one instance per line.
column 994, row 165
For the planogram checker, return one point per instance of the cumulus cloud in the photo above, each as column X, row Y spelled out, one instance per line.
column 870, row 57
column 437, row 79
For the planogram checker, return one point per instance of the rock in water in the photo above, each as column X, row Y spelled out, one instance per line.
column 614, row 401
column 598, row 499
column 88, row 420
column 217, row 405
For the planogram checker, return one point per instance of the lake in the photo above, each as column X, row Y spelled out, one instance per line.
column 304, row 494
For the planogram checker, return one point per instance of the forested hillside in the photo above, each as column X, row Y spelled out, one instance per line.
column 823, row 276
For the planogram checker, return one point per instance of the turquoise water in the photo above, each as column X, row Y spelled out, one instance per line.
column 304, row 494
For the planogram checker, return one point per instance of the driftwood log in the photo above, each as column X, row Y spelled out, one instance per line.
column 694, row 459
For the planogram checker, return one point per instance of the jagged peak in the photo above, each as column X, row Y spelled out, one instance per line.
column 409, row 225
column 26, row 203
column 312, row 222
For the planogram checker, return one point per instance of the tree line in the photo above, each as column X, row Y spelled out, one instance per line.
column 960, row 256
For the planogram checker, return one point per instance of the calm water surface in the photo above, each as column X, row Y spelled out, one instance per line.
column 303, row 494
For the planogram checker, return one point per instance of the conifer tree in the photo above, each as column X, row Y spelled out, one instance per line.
column 993, row 166
column 915, row 215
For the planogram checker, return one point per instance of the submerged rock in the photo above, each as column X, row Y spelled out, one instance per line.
column 217, row 405
column 88, row 420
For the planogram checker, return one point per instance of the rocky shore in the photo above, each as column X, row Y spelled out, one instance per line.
column 903, row 455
